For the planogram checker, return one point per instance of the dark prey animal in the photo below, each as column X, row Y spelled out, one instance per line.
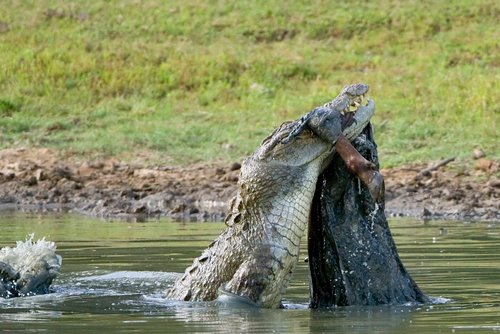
column 353, row 259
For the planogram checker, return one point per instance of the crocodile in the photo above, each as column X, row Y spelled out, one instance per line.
column 254, row 257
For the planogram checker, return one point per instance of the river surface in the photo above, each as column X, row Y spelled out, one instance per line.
column 114, row 274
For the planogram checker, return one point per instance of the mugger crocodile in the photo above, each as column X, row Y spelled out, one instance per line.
column 254, row 257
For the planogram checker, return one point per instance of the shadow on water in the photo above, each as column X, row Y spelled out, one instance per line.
column 114, row 275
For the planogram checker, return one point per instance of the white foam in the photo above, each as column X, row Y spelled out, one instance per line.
column 28, row 253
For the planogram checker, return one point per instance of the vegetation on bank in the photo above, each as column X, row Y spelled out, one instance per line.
column 188, row 81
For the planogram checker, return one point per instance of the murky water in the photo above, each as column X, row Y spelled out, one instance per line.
column 114, row 275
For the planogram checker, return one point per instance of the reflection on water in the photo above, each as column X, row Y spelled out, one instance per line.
column 114, row 275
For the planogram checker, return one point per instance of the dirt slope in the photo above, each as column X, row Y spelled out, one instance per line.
column 39, row 179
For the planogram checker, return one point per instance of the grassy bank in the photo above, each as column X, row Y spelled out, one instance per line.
column 185, row 81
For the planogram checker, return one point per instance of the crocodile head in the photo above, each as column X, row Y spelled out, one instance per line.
column 336, row 117
column 299, row 142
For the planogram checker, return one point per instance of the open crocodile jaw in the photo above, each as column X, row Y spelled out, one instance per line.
column 361, row 118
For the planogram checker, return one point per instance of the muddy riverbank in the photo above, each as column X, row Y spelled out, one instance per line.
column 40, row 179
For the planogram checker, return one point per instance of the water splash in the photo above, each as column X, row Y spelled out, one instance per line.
column 29, row 268
column 26, row 253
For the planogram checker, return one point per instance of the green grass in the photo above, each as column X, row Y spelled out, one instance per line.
column 188, row 81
